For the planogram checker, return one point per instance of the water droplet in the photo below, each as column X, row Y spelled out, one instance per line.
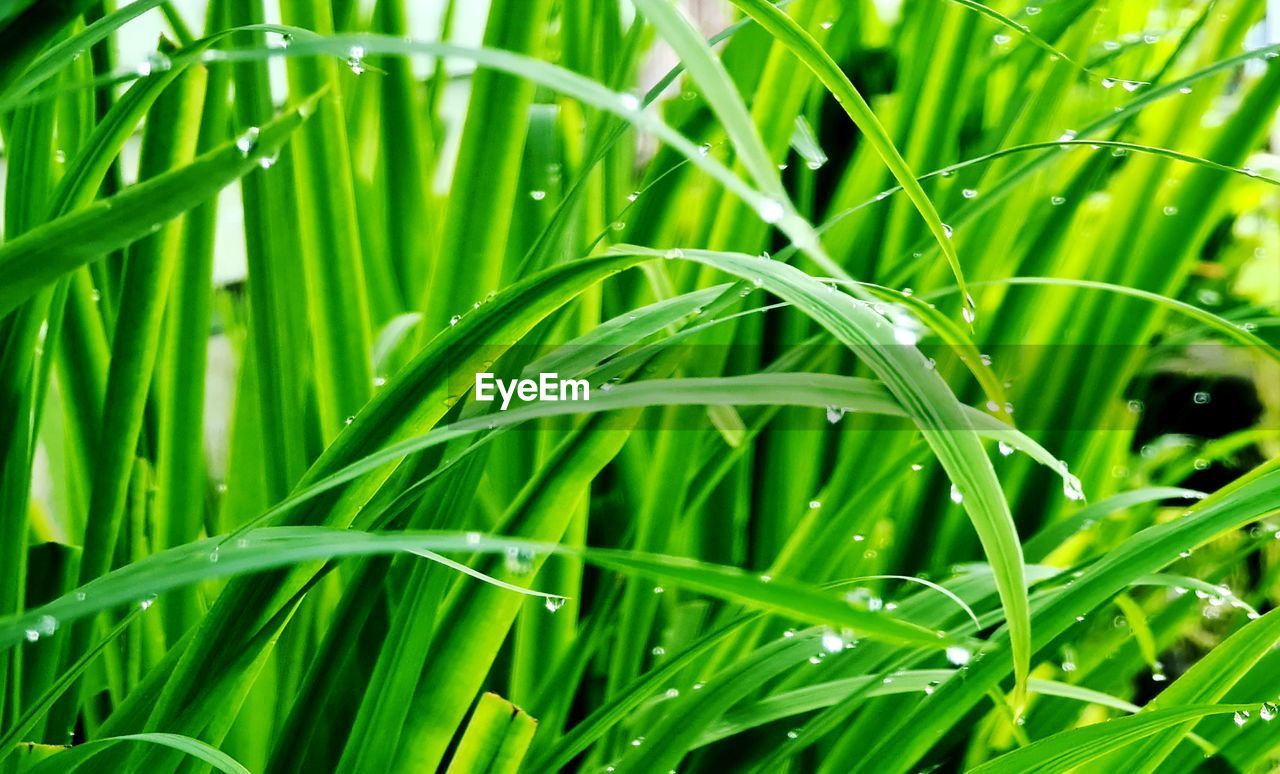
column 793, row 734
column 1200, row 398
column 455, row 319
column 146, row 604
column 859, row 538
column 1170, row 210
column 631, row 197
column 639, row 740
column 1057, row 201
column 1241, row 717
column 832, row 642
column 537, row 195
column 659, row 651
column 32, row 635
column 554, row 603
column 947, row 230
column 658, row 590
column 349, row 420
column 214, row 555
column 1071, row 487
column 518, row 560
column 704, row 149
column 1033, row 10
column 835, row 414
column 674, row 252
column 1001, row 39
column 1136, row 406
column 247, row 141
column 1005, row 449
column 630, row 102
column 815, row 504
column 1130, row 86
column 956, row 495
column 968, row 314
column 905, row 336
column 959, row 656
column 969, row 193
column 1184, row 90
column 770, row 210
column 1268, row 711
column 355, row 59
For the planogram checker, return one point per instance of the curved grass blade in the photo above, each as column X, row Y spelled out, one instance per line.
column 1254, row 496
column 47, row 252
column 273, row 547
column 1048, row 539
column 64, row 53
column 1230, row 330
column 795, row 389
column 1207, row 681
column 833, row 78
column 75, row 757
column 1068, row 750
column 40, row 706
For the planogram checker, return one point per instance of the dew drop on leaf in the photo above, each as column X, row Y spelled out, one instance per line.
column 959, row 656
column 247, row 141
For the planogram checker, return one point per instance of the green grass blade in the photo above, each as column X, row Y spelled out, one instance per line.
column 46, row 253
column 496, row 739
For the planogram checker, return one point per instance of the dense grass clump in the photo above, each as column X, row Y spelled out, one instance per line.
column 931, row 355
